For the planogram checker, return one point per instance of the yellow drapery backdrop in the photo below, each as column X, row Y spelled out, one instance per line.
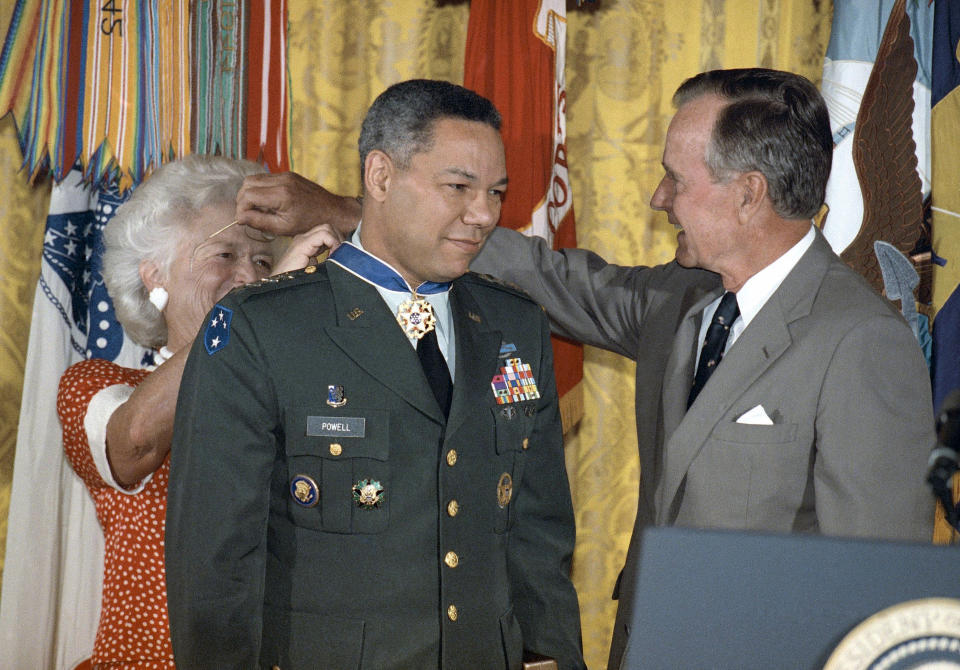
column 624, row 59
column 23, row 211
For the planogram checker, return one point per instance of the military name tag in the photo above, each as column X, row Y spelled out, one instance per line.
column 336, row 426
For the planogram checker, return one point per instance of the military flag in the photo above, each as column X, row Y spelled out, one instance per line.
column 50, row 600
column 945, row 206
column 855, row 40
column 516, row 55
column 114, row 88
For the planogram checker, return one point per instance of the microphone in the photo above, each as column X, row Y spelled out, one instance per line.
column 943, row 461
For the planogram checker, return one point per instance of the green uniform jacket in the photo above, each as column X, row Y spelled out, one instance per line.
column 463, row 562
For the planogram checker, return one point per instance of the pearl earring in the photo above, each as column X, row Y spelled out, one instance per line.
column 158, row 297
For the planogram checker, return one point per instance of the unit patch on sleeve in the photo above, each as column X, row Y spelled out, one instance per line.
column 217, row 333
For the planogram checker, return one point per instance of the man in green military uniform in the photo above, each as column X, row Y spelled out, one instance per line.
column 334, row 500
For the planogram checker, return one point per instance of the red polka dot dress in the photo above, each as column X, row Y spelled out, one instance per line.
column 134, row 631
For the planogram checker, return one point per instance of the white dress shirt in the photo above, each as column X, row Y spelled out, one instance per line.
column 755, row 292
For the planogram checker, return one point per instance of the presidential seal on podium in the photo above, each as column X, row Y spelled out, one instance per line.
column 922, row 633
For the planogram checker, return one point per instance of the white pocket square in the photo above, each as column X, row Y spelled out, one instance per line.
column 755, row 417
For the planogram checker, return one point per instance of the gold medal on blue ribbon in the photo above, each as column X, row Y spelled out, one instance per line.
column 415, row 316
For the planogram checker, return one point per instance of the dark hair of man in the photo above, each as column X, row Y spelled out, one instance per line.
column 777, row 124
column 400, row 121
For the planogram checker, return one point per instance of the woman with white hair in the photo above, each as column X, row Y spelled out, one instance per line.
column 171, row 252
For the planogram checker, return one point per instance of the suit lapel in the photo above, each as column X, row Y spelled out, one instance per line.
column 758, row 347
column 477, row 348
column 368, row 333
column 678, row 374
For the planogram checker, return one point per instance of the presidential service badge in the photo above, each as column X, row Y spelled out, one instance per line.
column 217, row 333
column 304, row 491
column 921, row 633
column 514, row 383
column 368, row 494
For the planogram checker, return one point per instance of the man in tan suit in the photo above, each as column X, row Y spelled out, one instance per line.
column 818, row 418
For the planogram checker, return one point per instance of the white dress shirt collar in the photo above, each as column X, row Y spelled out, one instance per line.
column 441, row 311
column 755, row 292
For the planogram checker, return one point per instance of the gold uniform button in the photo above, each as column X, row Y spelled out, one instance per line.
column 526, row 442
column 451, row 559
column 336, row 449
column 452, row 612
column 452, row 457
column 453, row 507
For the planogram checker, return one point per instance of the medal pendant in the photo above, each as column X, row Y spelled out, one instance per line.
column 416, row 318
column 368, row 494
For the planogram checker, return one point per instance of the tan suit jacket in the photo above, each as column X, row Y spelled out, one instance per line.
column 831, row 362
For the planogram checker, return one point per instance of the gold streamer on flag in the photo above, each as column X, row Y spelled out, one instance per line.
column 516, row 56
column 100, row 82
column 239, row 93
column 120, row 86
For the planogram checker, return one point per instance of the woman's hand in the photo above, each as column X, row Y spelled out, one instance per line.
column 305, row 247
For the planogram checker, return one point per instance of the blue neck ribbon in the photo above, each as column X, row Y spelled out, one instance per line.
column 371, row 269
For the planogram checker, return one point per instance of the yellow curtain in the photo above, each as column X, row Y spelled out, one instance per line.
column 23, row 210
column 624, row 59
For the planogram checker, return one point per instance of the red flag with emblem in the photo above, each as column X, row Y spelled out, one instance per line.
column 515, row 56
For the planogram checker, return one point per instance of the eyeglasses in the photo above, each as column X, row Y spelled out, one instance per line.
column 253, row 233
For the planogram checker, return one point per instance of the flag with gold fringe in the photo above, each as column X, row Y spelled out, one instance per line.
column 945, row 129
column 515, row 55
column 50, row 598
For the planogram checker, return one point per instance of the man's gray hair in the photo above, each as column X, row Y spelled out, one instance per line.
column 775, row 123
column 150, row 226
column 400, row 121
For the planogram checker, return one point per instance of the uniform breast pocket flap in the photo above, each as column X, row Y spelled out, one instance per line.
column 340, row 471
column 361, row 434
column 513, row 428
